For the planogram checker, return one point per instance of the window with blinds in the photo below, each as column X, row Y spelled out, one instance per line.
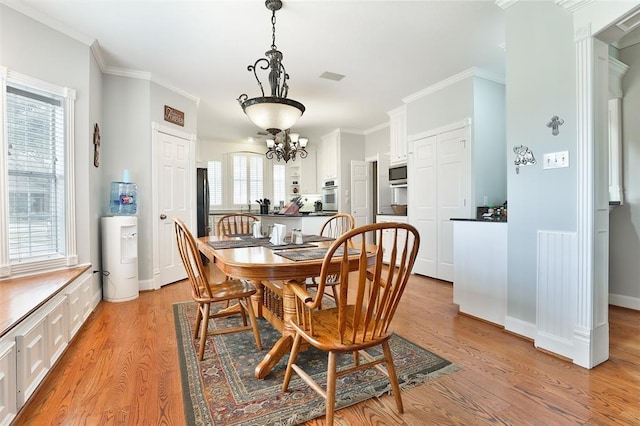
column 214, row 172
column 279, row 183
column 248, row 178
column 35, row 152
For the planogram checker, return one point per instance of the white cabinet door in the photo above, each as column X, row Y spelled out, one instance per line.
column 422, row 203
column 398, row 135
column 32, row 359
column 8, row 407
column 75, row 310
column 330, row 155
column 388, row 236
column 360, row 193
column 308, row 174
column 57, row 331
column 454, row 188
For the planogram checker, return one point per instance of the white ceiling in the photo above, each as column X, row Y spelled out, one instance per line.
column 387, row 50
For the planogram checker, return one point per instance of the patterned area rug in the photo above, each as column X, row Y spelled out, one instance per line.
column 221, row 390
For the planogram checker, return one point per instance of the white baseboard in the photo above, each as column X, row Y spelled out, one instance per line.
column 144, row 285
column 624, row 301
column 522, row 328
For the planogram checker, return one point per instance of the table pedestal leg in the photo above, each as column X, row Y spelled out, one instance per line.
column 283, row 345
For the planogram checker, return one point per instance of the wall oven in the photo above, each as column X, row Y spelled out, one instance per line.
column 330, row 195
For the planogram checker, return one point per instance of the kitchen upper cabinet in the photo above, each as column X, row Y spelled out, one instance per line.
column 334, row 163
column 398, row 135
column 303, row 172
column 330, row 156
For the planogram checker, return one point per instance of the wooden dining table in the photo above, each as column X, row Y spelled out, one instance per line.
column 270, row 273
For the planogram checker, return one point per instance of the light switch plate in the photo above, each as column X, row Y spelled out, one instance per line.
column 556, row 160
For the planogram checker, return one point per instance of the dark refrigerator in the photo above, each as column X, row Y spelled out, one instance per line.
column 202, row 199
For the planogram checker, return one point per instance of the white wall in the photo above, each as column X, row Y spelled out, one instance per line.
column 624, row 248
column 33, row 49
column 377, row 141
column 541, row 83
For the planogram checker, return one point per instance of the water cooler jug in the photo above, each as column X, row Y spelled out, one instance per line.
column 120, row 258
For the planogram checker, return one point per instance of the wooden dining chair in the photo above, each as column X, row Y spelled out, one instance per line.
column 205, row 292
column 366, row 306
column 334, row 227
column 236, row 224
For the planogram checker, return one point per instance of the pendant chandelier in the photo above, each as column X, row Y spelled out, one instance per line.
column 276, row 112
column 286, row 146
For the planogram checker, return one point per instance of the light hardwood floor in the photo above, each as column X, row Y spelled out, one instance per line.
column 122, row 368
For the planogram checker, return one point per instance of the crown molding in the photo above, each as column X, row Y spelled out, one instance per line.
column 48, row 21
column 573, row 5
column 471, row 72
column 503, row 4
column 376, row 128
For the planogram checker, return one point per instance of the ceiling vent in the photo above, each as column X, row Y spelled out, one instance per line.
column 331, row 76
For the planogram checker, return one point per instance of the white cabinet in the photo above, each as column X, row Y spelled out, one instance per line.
column 337, row 151
column 328, row 168
column 32, row 363
column 303, row 171
column 57, row 331
column 8, row 407
column 480, row 275
column 388, row 235
column 398, row 135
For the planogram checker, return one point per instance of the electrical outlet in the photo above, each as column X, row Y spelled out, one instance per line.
column 556, row 160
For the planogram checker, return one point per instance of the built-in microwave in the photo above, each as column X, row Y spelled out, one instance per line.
column 398, row 175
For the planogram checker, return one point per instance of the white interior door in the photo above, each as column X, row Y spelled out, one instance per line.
column 174, row 188
column 453, row 193
column 422, row 203
column 360, row 193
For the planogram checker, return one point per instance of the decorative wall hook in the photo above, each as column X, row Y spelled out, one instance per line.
column 524, row 157
column 554, row 125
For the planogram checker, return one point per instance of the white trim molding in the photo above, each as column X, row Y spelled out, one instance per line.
column 471, row 72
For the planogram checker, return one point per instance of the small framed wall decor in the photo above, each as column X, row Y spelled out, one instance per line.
column 96, row 145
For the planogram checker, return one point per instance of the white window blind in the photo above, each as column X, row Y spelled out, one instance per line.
column 214, row 172
column 36, row 186
column 248, row 178
column 279, row 183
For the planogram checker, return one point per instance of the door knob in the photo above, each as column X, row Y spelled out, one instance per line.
column 163, row 216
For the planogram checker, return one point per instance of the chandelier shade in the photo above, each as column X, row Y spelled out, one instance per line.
column 274, row 113
column 286, row 146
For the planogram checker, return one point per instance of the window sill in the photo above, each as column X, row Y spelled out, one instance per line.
column 20, row 297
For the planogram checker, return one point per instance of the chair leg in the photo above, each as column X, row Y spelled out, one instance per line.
column 335, row 293
column 204, row 330
column 331, row 388
column 196, row 331
column 393, row 377
column 295, row 348
column 254, row 322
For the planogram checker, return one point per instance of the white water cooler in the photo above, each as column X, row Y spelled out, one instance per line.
column 120, row 258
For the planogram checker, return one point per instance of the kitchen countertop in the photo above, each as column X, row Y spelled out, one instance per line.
column 312, row 214
column 501, row 219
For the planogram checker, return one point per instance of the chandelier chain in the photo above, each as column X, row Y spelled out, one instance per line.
column 273, row 30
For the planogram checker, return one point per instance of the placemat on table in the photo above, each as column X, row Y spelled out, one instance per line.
column 311, row 254
column 288, row 246
column 315, row 238
column 231, row 244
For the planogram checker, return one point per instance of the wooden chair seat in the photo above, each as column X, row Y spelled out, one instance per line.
column 206, row 292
